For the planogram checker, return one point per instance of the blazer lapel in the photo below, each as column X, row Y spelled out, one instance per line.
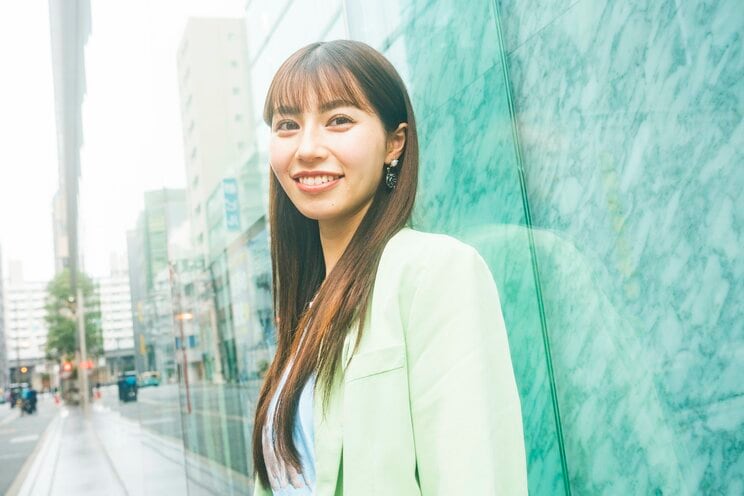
column 328, row 441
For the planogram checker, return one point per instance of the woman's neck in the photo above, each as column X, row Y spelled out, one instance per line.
column 335, row 236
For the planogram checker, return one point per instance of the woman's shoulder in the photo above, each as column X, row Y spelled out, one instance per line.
column 424, row 270
column 417, row 246
column 412, row 256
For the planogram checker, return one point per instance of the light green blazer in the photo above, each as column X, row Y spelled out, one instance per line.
column 428, row 404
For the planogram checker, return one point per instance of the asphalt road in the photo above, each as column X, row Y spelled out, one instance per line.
column 218, row 425
column 19, row 436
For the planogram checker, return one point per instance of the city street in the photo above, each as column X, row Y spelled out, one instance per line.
column 19, row 437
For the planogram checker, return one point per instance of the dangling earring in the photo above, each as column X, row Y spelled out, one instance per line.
column 391, row 176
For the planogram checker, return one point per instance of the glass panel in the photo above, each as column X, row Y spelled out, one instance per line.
column 630, row 119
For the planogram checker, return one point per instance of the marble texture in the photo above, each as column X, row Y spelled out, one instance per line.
column 450, row 44
column 630, row 121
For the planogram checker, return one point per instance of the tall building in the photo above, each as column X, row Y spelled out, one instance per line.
column 147, row 251
column 59, row 229
column 216, row 113
column 70, row 27
column 137, row 293
column 116, row 321
column 4, row 378
column 26, row 331
column 165, row 211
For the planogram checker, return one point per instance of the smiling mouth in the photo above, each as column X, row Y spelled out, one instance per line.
column 316, row 180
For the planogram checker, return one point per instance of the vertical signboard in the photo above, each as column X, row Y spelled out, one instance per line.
column 232, row 208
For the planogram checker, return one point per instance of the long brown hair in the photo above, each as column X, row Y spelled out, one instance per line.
column 323, row 72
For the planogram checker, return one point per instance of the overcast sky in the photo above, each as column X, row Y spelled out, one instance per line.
column 131, row 123
column 28, row 153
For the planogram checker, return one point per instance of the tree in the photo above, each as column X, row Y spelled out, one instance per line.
column 62, row 321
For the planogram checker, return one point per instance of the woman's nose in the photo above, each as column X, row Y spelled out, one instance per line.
column 310, row 148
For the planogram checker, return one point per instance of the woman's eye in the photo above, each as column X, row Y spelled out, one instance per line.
column 286, row 126
column 340, row 120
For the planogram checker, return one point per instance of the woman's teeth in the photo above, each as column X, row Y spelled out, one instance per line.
column 316, row 180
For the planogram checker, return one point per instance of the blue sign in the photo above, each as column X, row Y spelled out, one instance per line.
column 232, row 207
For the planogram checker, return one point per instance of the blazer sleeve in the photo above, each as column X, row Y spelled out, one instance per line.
column 465, row 406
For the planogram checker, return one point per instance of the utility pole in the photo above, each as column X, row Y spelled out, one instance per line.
column 83, row 346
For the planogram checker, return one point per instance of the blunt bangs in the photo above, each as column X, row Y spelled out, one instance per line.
column 312, row 78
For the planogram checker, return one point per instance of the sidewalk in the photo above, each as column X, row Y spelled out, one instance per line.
column 105, row 453
column 100, row 453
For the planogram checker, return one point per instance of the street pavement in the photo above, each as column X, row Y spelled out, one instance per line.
column 19, row 436
column 106, row 452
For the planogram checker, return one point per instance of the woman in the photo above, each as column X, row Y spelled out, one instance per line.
column 392, row 374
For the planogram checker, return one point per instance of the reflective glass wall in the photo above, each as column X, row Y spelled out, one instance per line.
column 629, row 119
column 590, row 151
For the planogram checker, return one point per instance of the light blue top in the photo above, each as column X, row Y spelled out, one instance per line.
column 285, row 480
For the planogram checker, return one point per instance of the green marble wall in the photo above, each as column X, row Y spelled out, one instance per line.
column 593, row 152
column 629, row 116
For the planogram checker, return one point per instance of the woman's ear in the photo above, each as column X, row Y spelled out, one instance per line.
column 396, row 142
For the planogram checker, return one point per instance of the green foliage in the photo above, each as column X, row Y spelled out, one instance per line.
column 61, row 320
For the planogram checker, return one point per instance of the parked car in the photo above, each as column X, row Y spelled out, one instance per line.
column 150, row 378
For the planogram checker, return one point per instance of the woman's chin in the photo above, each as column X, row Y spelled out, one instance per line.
column 321, row 215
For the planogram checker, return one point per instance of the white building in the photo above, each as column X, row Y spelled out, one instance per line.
column 25, row 328
column 116, row 321
column 216, row 112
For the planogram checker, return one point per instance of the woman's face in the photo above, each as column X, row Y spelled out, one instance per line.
column 329, row 158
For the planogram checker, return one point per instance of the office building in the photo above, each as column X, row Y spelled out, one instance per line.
column 216, row 113
column 116, row 321
column 26, row 330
